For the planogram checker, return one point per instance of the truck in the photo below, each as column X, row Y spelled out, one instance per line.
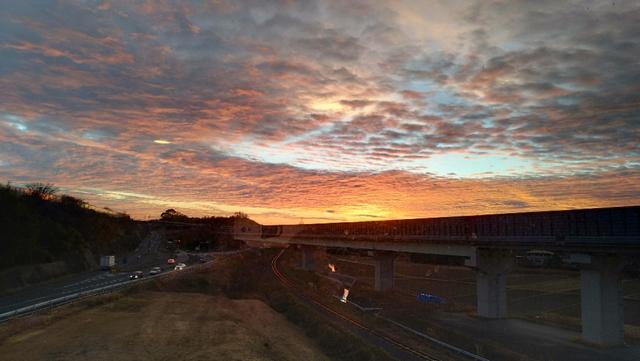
column 107, row 262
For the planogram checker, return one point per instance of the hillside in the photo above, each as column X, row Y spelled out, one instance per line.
column 40, row 227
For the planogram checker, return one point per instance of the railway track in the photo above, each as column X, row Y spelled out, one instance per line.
column 288, row 284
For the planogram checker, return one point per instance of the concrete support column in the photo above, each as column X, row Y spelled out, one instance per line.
column 602, row 301
column 308, row 257
column 383, row 280
column 491, row 282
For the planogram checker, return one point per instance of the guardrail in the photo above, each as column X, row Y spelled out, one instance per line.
column 63, row 300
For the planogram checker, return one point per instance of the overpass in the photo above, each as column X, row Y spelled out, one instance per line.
column 601, row 241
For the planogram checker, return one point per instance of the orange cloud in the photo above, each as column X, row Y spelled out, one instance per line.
column 288, row 110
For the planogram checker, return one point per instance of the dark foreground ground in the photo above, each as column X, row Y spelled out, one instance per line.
column 544, row 309
column 233, row 310
column 165, row 326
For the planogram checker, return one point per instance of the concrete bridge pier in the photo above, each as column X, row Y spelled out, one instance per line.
column 491, row 282
column 384, row 268
column 602, row 301
column 308, row 257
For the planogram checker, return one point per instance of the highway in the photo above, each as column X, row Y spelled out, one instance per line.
column 56, row 293
column 61, row 291
column 59, row 288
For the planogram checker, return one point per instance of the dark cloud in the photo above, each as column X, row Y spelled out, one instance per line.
column 359, row 99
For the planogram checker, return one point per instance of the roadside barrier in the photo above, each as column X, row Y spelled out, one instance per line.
column 78, row 296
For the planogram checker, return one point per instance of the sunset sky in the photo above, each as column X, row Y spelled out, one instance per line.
column 321, row 111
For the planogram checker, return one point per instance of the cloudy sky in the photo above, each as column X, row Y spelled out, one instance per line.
column 321, row 111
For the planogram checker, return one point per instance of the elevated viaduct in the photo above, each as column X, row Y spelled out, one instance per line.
column 600, row 241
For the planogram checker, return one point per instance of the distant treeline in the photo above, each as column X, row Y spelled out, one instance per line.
column 214, row 233
column 39, row 226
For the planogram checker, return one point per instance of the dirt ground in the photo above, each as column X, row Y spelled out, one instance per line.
column 164, row 326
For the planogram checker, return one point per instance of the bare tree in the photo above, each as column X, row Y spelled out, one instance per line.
column 41, row 190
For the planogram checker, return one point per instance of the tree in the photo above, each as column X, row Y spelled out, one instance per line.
column 123, row 215
column 41, row 190
column 240, row 215
column 171, row 214
column 70, row 201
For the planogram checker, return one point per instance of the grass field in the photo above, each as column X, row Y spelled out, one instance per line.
column 164, row 326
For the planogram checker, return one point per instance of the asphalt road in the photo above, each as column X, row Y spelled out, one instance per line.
column 148, row 254
column 67, row 286
column 59, row 288
column 86, row 282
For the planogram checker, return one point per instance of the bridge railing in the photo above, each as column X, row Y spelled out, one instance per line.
column 606, row 225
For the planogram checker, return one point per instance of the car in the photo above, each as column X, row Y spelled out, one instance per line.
column 171, row 261
column 155, row 271
column 135, row 275
column 429, row 298
column 203, row 259
column 180, row 266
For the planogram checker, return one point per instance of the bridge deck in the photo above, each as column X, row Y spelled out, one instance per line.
column 599, row 227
